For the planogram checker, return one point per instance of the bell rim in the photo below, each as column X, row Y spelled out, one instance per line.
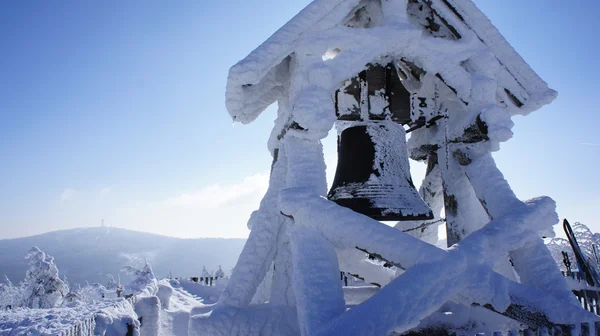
column 380, row 214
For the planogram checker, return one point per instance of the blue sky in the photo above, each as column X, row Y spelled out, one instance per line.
column 115, row 110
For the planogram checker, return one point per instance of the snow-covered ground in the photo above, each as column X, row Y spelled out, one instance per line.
column 186, row 296
column 110, row 316
column 25, row 321
column 45, row 303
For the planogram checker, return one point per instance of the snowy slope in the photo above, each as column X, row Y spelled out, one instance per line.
column 91, row 253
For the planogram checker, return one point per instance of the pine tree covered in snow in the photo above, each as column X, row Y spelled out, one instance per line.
column 219, row 273
column 92, row 293
column 142, row 277
column 43, row 286
column 586, row 240
column 67, row 284
column 10, row 295
column 72, row 297
column 205, row 272
column 112, row 283
column 557, row 246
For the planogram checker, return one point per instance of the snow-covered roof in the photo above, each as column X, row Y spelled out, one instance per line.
column 258, row 80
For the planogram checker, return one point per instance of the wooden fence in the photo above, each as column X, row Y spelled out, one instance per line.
column 87, row 325
column 83, row 328
column 585, row 329
column 207, row 281
column 587, row 295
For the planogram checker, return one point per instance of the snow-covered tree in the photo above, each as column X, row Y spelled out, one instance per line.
column 596, row 237
column 557, row 246
column 92, row 293
column 7, row 281
column 142, row 277
column 43, row 286
column 112, row 283
column 586, row 242
column 10, row 295
column 73, row 297
column 67, row 284
column 205, row 272
column 219, row 273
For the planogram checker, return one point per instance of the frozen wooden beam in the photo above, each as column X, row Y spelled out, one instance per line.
column 316, row 284
column 282, row 292
column 345, row 228
column 259, row 250
column 432, row 194
column 316, row 281
column 463, row 215
column 532, row 261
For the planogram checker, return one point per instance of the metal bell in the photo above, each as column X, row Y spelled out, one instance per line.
column 373, row 176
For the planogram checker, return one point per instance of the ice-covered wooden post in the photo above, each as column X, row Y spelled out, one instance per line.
column 465, row 82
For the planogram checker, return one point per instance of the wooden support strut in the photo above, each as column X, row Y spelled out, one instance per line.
column 431, row 192
column 260, row 248
column 520, row 309
column 306, row 169
column 498, row 199
column 502, row 188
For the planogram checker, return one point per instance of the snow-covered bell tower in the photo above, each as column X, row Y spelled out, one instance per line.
column 438, row 73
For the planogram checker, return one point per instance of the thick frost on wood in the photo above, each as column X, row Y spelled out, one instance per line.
column 532, row 88
column 306, row 164
column 465, row 83
column 149, row 309
column 354, row 261
column 265, row 319
column 346, row 229
column 432, row 193
column 464, row 213
column 316, row 281
column 533, row 262
column 462, row 275
column 273, row 72
column 282, row 292
column 258, row 253
column 245, row 100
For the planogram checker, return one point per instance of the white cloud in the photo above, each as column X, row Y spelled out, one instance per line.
column 214, row 210
column 217, row 195
column 217, row 210
column 67, row 194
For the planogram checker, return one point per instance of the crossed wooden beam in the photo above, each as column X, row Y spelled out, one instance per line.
column 433, row 276
column 442, row 267
column 313, row 227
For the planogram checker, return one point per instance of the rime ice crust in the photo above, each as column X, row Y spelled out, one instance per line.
column 479, row 82
column 479, row 66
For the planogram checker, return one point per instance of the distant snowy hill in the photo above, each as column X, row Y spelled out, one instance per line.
column 91, row 253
